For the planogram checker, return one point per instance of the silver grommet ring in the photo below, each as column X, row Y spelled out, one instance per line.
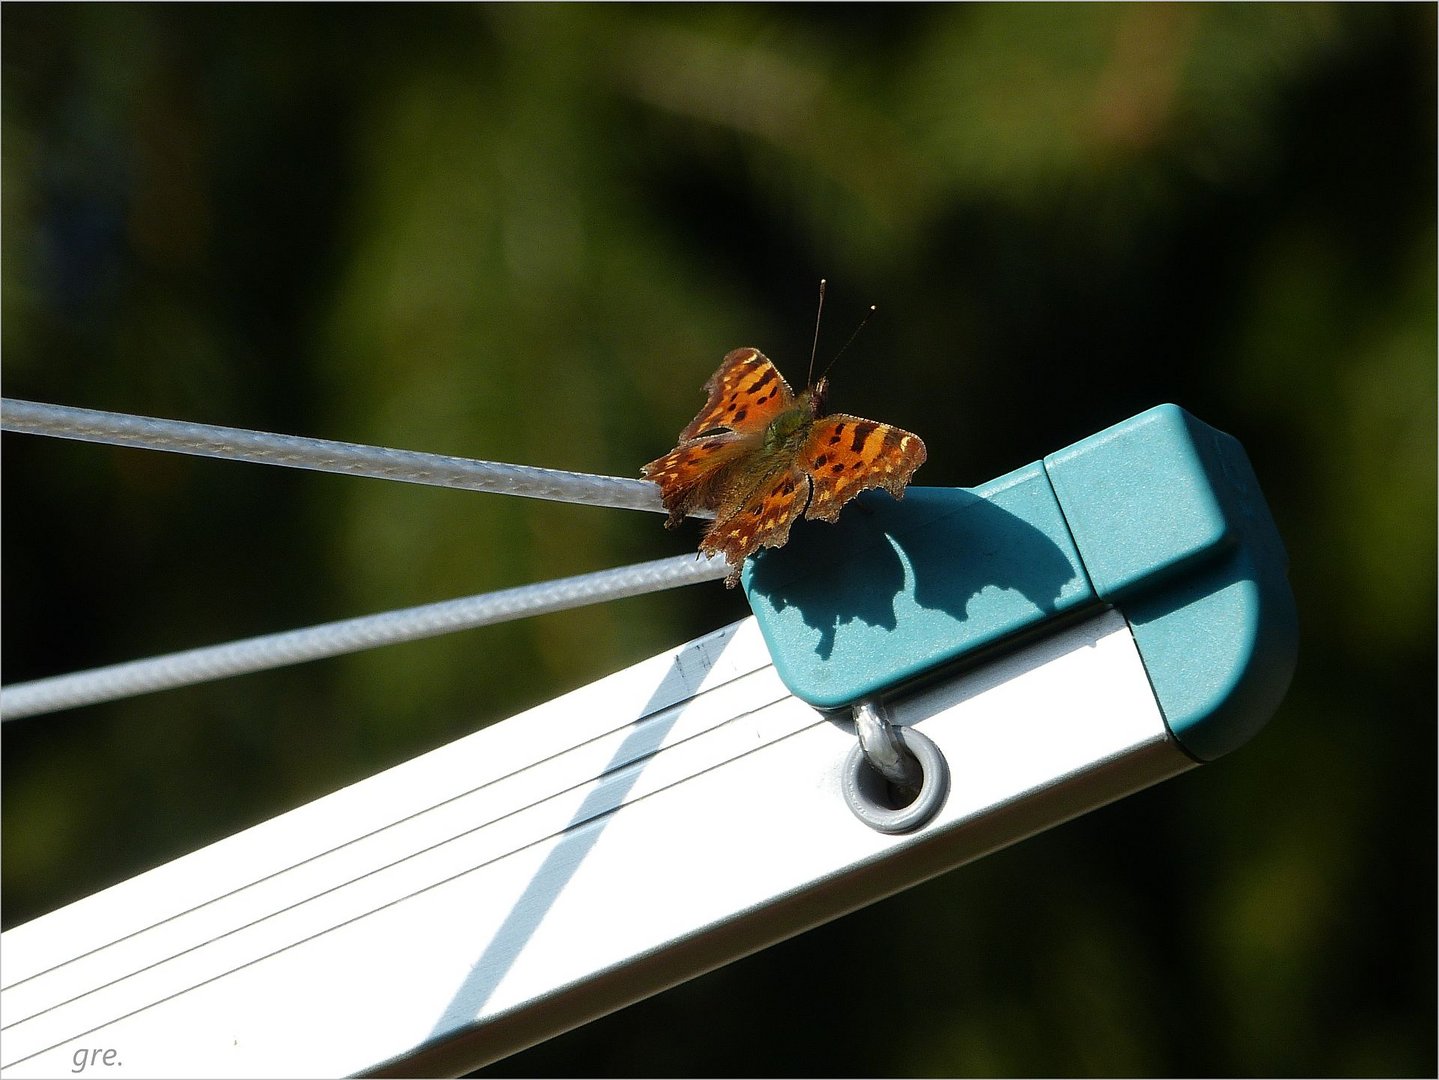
column 877, row 803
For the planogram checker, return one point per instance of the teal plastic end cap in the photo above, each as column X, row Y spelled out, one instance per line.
column 1174, row 531
column 1219, row 653
column 1141, row 501
column 896, row 588
column 1159, row 516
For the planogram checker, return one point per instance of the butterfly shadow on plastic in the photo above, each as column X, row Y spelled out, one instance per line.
column 934, row 570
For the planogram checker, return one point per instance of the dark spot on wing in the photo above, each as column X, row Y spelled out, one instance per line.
column 764, row 380
column 861, row 433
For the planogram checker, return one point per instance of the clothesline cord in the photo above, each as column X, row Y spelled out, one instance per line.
column 324, row 455
column 349, row 635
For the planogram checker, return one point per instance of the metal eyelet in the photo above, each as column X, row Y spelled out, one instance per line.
column 895, row 778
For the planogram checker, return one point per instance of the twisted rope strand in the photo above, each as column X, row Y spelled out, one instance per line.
column 349, row 635
column 324, row 455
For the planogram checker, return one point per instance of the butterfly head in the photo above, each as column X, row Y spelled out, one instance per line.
column 816, row 396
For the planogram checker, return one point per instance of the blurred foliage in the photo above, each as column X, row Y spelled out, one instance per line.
column 530, row 232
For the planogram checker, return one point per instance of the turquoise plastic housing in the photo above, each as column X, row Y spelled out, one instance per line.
column 1159, row 516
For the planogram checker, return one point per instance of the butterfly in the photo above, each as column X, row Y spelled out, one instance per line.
column 759, row 457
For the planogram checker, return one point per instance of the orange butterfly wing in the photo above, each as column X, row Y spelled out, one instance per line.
column 844, row 455
column 763, row 519
column 745, row 394
column 692, row 475
column 724, row 462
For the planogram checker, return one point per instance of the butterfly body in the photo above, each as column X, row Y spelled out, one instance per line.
column 759, row 456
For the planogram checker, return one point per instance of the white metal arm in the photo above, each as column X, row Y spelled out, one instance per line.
column 559, row 865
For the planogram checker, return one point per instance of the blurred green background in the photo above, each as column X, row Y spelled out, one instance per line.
column 529, row 233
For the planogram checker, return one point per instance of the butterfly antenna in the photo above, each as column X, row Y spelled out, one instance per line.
column 848, row 343
column 809, row 379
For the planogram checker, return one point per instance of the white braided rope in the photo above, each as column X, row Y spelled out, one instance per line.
column 324, row 455
column 349, row 635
